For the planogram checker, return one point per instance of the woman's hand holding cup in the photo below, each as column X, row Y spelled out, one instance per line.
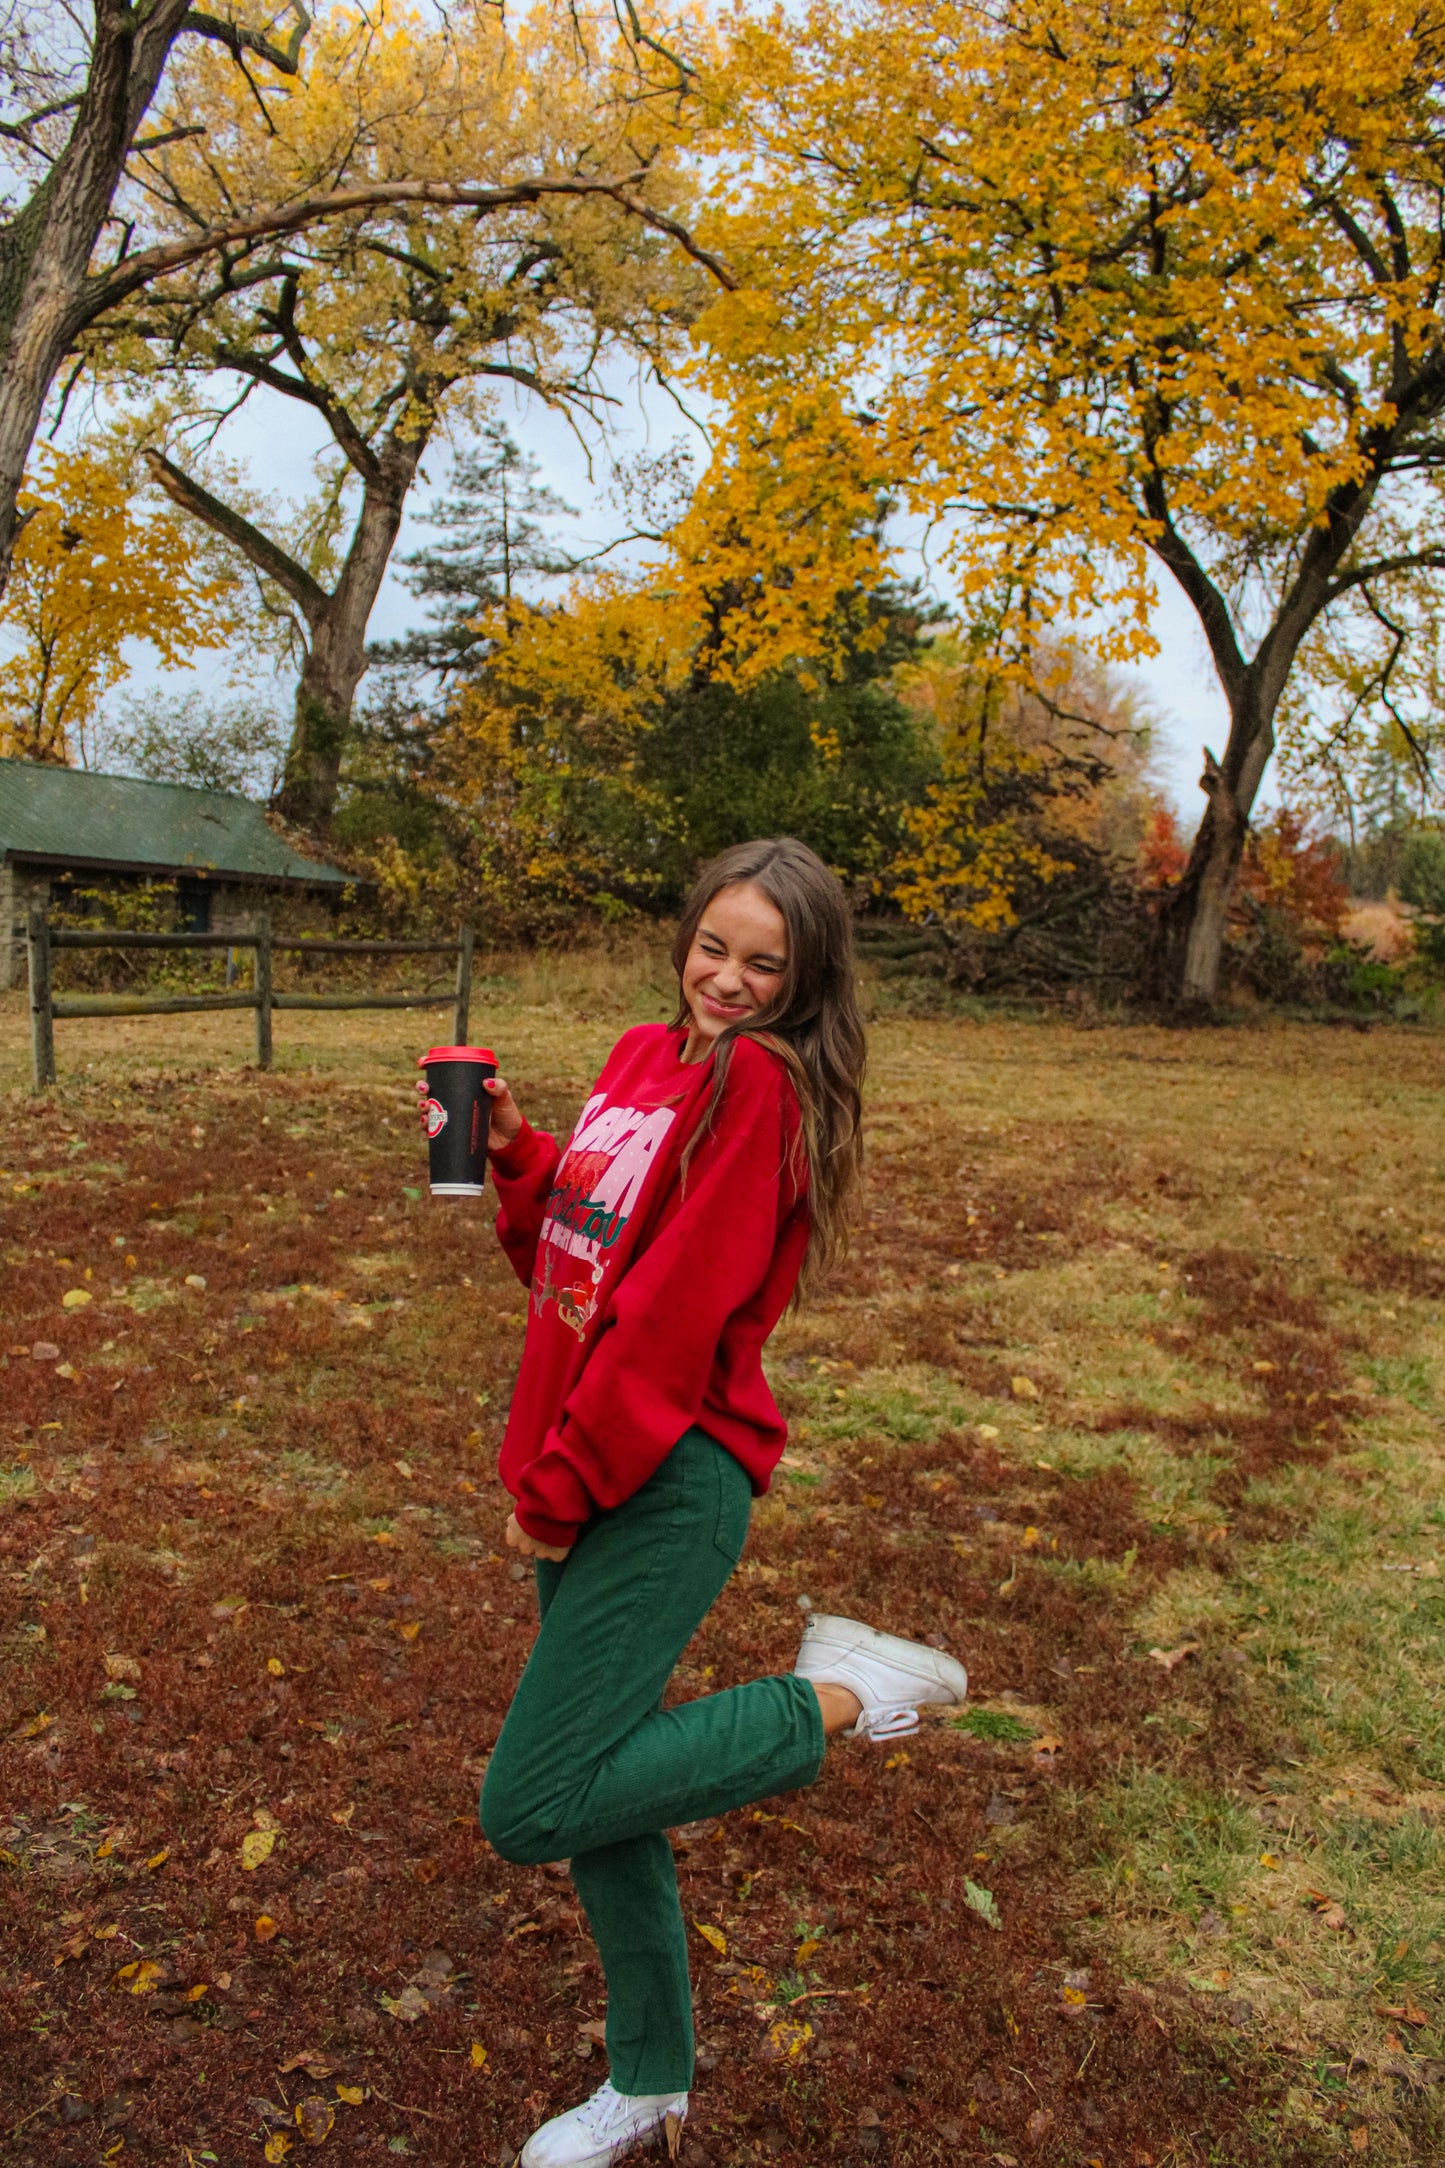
column 506, row 1115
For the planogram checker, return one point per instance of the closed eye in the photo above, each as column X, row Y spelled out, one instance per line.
column 711, row 946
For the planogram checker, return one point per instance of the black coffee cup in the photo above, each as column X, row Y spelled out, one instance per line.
column 458, row 1117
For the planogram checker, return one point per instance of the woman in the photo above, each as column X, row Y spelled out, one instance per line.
column 716, row 1158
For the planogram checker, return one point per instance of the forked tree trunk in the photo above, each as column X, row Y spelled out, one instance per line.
column 336, row 656
column 335, row 623
column 1195, row 922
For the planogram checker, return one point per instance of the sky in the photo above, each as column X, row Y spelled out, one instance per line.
column 277, row 440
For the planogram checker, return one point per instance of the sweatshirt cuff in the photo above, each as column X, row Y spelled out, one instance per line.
column 552, row 1501
column 514, row 1158
column 560, row 1535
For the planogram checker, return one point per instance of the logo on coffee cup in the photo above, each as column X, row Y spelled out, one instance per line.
column 436, row 1117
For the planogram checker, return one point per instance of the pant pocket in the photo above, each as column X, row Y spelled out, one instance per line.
column 734, row 1505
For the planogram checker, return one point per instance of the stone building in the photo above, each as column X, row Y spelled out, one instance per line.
column 64, row 830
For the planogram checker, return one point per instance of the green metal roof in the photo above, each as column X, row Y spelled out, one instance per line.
column 67, row 816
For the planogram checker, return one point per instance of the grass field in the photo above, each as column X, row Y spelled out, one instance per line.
column 1130, row 1393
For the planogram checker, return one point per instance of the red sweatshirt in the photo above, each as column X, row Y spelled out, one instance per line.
column 653, row 1291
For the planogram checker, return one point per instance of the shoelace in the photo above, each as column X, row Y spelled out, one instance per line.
column 600, row 2110
column 886, row 1723
column 606, row 2114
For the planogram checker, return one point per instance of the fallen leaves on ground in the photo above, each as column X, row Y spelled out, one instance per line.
column 981, row 1901
column 1408, row 2012
column 256, row 1848
column 1327, row 1910
column 219, row 1505
column 406, row 2007
column 786, row 2039
column 315, row 2118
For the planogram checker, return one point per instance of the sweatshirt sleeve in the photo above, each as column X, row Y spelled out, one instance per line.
column 524, row 1172
column 646, row 1376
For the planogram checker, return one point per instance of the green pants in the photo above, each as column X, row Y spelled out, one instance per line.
column 591, row 1768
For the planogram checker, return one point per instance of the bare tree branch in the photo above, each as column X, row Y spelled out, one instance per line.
column 267, row 556
column 1428, row 560
column 106, row 289
column 18, row 131
column 286, row 59
column 171, row 135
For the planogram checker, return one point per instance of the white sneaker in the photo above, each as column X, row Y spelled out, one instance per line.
column 892, row 1678
column 603, row 2129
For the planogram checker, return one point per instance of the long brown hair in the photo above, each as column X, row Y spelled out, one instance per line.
column 814, row 1025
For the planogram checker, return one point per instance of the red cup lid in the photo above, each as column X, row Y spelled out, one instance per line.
column 457, row 1053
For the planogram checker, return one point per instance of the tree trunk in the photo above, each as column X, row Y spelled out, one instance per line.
column 1204, row 900
column 48, row 291
column 324, row 694
column 336, row 657
column 46, row 248
column 1196, row 921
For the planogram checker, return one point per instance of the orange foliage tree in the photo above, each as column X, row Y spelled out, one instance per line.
column 1101, row 291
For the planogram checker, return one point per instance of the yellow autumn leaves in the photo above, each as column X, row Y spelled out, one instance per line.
column 397, row 314
column 1088, row 290
column 1043, row 249
column 256, row 1848
column 315, row 2120
column 1074, row 289
column 94, row 567
column 788, row 2033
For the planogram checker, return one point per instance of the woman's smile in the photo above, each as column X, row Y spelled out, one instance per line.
column 736, row 965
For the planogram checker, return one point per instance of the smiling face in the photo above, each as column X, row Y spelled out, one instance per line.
column 736, row 965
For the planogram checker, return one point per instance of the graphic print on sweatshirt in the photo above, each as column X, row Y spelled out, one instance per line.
column 599, row 1181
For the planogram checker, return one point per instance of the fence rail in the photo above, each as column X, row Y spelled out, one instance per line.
column 75, row 937
column 46, row 1006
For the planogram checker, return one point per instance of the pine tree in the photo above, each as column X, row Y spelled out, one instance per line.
column 494, row 541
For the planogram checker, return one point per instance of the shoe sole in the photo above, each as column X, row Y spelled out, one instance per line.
column 940, row 1669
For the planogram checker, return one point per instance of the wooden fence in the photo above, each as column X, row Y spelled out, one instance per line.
column 46, row 1005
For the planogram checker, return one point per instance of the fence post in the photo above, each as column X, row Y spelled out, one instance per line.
column 263, row 989
column 42, row 1019
column 466, row 941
